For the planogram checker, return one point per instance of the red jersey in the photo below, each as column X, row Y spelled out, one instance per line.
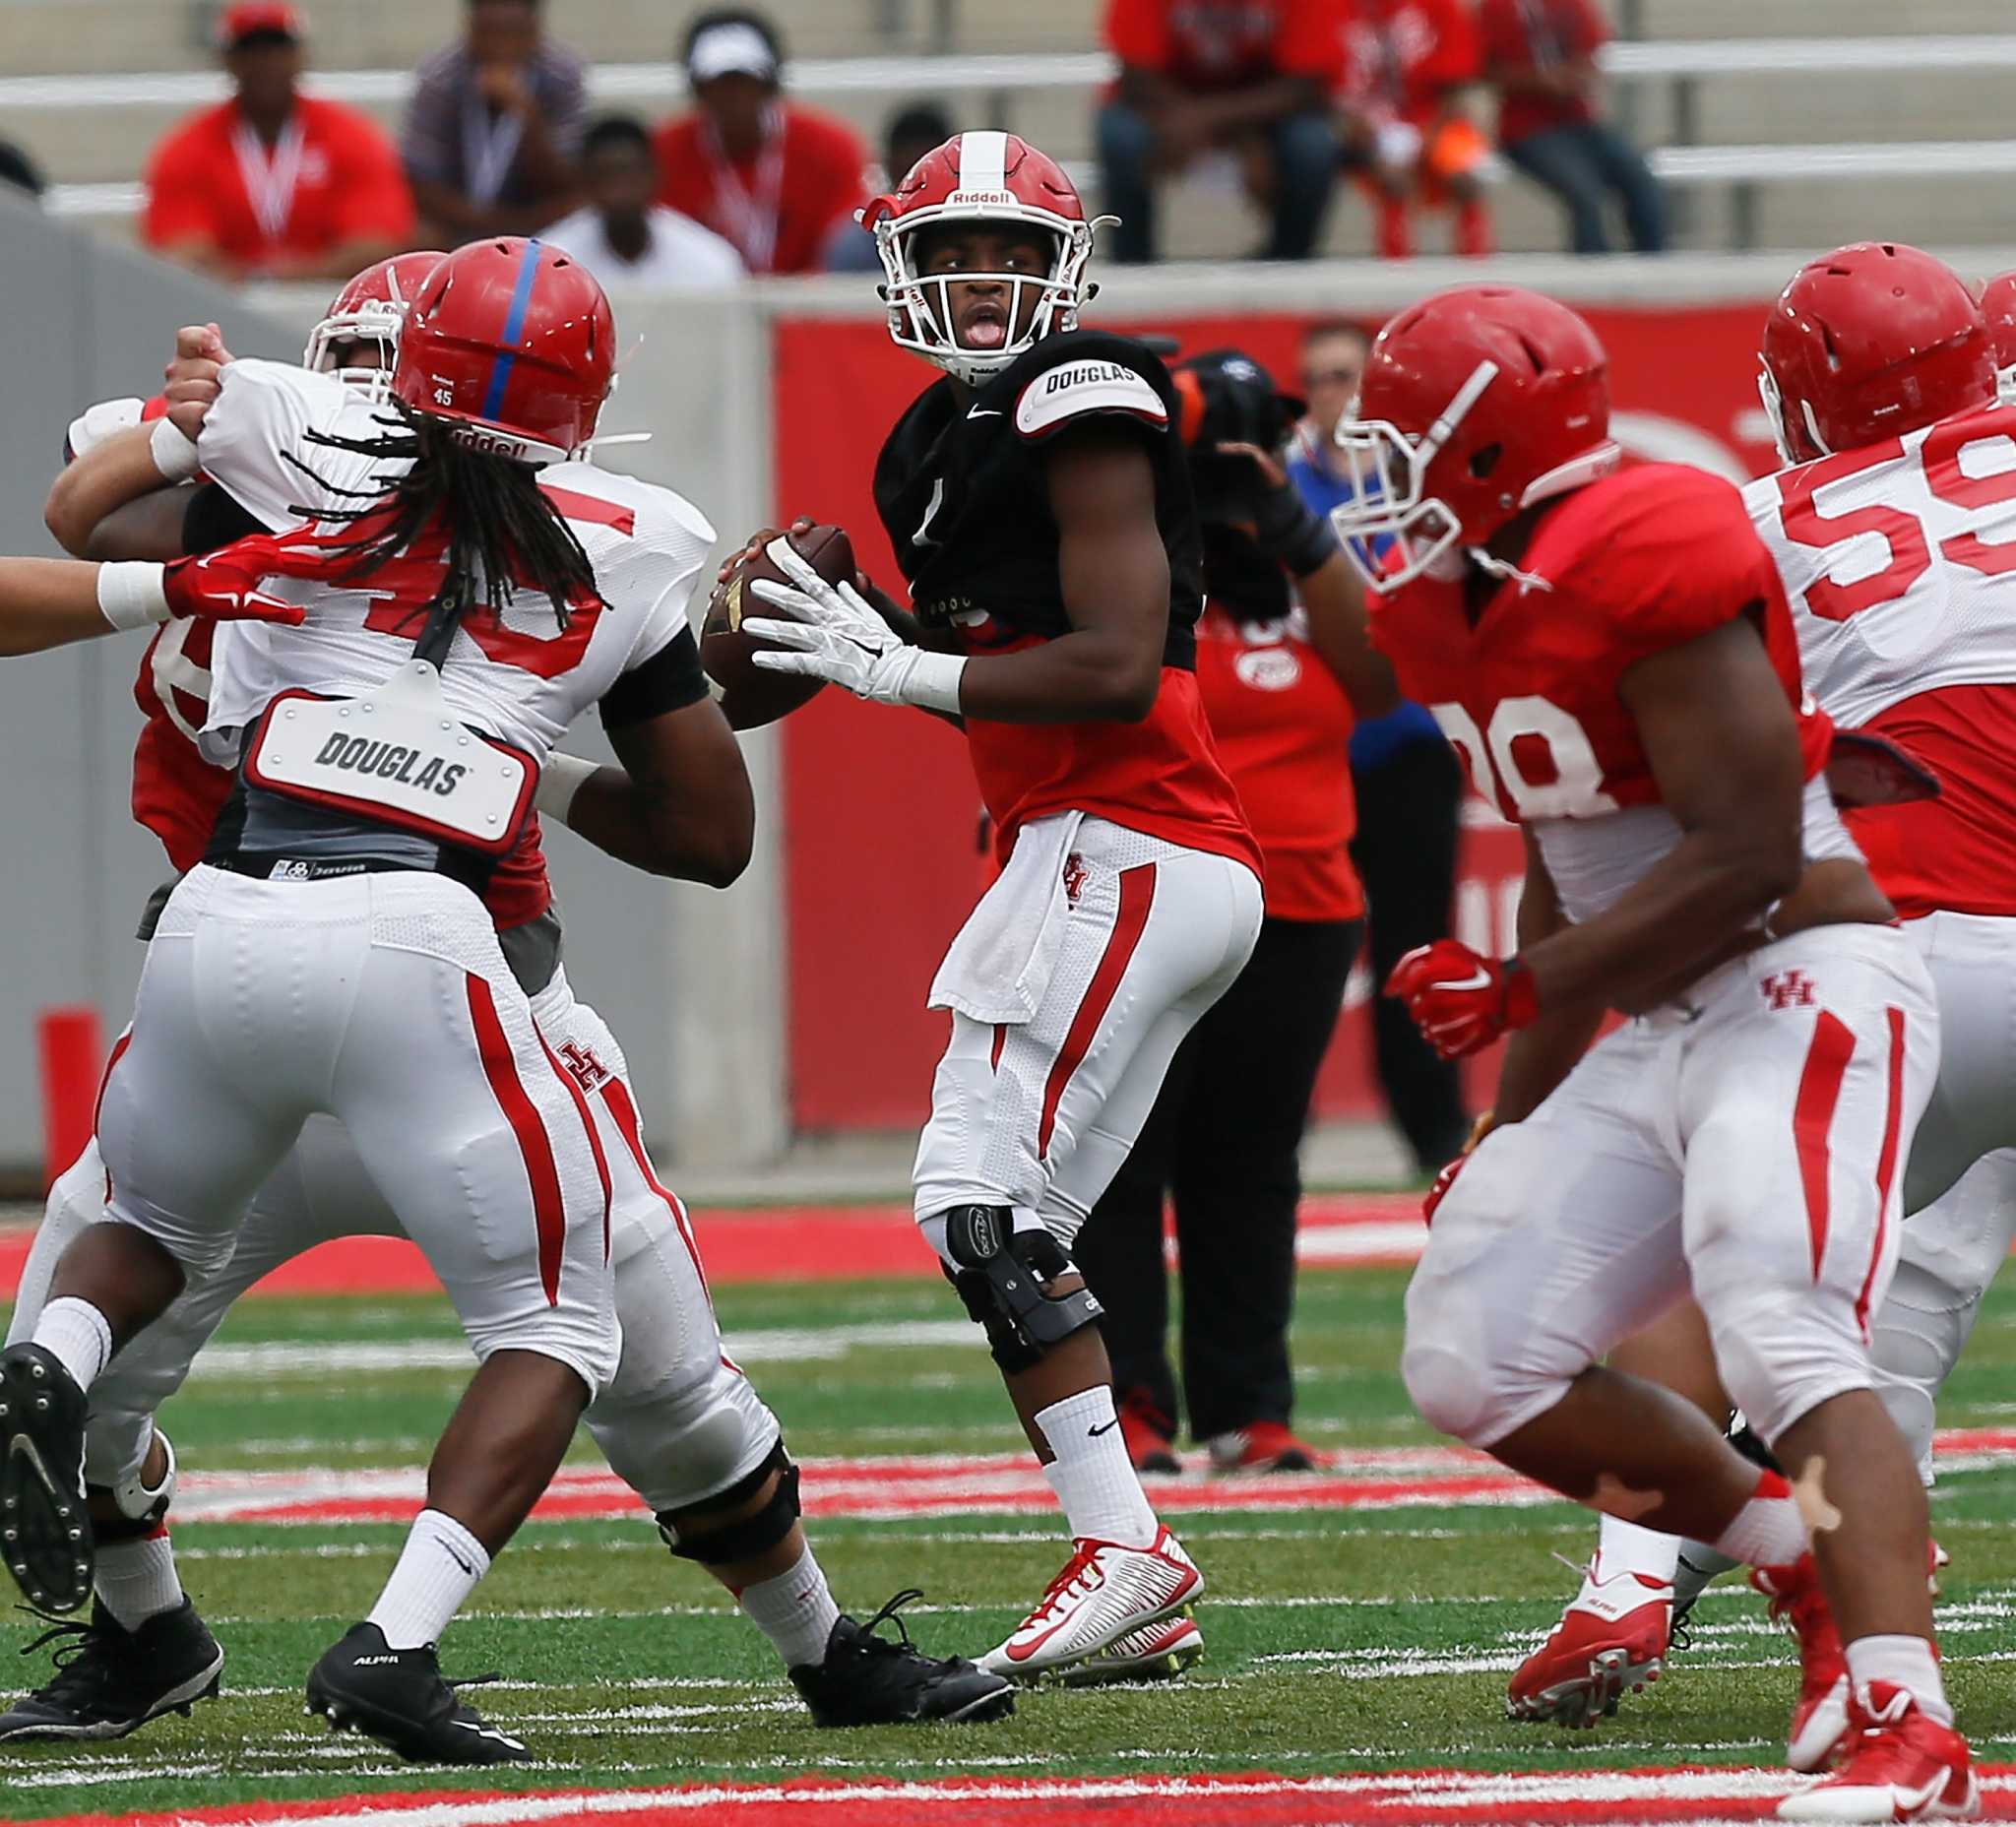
column 1899, row 562
column 334, row 178
column 1403, row 57
column 1283, row 724
column 1209, row 45
column 1642, row 561
column 1541, row 35
column 778, row 207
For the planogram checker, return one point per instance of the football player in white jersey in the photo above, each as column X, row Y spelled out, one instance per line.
column 1894, row 531
column 680, row 1424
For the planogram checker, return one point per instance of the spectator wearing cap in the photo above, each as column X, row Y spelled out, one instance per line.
column 1408, row 794
column 769, row 174
column 272, row 183
column 626, row 238
column 1283, row 665
column 1541, row 56
column 912, row 132
column 1411, row 69
column 494, row 127
column 1251, row 77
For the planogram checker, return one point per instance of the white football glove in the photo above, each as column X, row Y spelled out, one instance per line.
column 837, row 637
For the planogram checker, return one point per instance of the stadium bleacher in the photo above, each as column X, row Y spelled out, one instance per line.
column 1742, row 103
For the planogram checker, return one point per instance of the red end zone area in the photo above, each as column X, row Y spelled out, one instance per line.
column 1456, row 1797
column 802, row 1243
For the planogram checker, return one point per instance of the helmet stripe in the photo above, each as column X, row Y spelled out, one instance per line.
column 982, row 162
column 513, row 327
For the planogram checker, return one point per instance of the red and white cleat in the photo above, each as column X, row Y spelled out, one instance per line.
column 1819, row 1717
column 1154, row 1653
column 1900, row 1766
column 1103, row 1592
column 1611, row 1641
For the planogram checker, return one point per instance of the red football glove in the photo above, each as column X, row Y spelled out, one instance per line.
column 1461, row 1000
column 224, row 586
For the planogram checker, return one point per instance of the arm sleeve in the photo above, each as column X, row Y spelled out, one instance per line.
column 427, row 137
column 266, row 408
column 670, row 680
column 1137, row 32
column 177, row 197
column 212, row 519
column 376, row 202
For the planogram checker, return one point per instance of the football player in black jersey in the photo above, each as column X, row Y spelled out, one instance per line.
column 1039, row 505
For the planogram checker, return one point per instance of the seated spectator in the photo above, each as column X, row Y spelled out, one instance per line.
column 494, row 127
column 1248, row 76
column 18, row 170
column 1542, row 55
column 625, row 238
column 1409, row 66
column 914, row 130
column 272, row 183
column 771, row 175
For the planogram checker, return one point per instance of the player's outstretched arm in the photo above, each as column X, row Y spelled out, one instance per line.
column 148, row 460
column 680, row 804
column 47, row 603
column 1724, row 750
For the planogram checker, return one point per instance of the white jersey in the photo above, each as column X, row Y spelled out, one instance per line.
column 520, row 677
column 1899, row 562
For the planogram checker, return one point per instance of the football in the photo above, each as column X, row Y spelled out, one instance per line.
column 749, row 696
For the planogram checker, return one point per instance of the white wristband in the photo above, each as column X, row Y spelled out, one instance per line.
column 174, row 456
column 130, row 593
column 560, row 781
column 931, row 681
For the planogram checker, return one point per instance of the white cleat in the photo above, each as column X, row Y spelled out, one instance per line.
column 1104, row 1592
column 1154, row 1653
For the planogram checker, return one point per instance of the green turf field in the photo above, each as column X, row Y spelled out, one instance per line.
column 1337, row 1639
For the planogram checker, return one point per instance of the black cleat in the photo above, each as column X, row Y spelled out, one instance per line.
column 398, row 1698
column 45, row 1538
column 110, row 1680
column 869, row 1680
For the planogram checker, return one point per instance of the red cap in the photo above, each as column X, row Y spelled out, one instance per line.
column 239, row 21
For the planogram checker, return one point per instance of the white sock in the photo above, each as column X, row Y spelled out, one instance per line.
column 437, row 1570
column 77, row 1334
column 1625, row 1547
column 137, row 1580
column 1768, row 1531
column 1909, row 1663
column 1093, row 1477
column 1699, row 1564
column 794, row 1609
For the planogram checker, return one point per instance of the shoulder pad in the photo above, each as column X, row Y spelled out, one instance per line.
column 1079, row 389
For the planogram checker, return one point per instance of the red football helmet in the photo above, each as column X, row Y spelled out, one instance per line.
column 1998, row 307
column 980, row 177
column 1867, row 342
column 369, row 309
column 514, row 344
column 1474, row 405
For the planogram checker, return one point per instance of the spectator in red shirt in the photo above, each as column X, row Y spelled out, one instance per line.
column 1282, row 665
column 771, row 176
column 275, row 184
column 1252, row 77
column 1410, row 67
column 1542, row 55
column 494, row 128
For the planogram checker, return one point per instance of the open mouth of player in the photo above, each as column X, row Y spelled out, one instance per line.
column 984, row 324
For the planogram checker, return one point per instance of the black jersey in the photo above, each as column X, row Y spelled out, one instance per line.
column 961, row 489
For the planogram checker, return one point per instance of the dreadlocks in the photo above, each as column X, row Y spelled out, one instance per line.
column 501, row 530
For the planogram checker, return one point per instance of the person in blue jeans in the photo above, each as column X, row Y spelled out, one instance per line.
column 1541, row 55
column 1410, row 795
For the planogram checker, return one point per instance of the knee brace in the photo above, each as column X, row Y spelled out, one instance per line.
column 142, row 1507
column 1000, row 1275
column 748, row 1535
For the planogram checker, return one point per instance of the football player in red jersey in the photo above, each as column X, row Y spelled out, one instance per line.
column 1039, row 500
column 680, row 1424
column 1880, row 374
column 1611, row 651
column 1998, row 307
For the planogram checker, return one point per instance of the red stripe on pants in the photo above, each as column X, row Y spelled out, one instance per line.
column 97, row 1109
column 1886, row 1165
column 632, row 1132
column 595, row 1141
column 1813, row 1116
column 537, row 1149
column 1136, row 895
